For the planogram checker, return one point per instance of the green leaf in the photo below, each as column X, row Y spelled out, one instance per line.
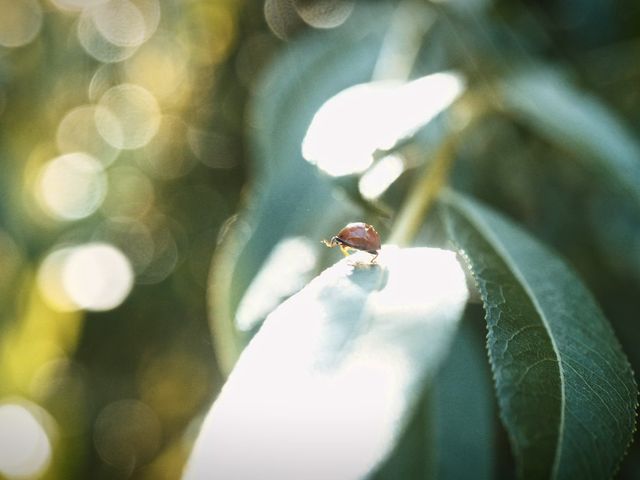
column 289, row 197
column 415, row 453
column 566, row 392
column 348, row 130
column 464, row 411
column 577, row 121
column 326, row 387
column 454, row 419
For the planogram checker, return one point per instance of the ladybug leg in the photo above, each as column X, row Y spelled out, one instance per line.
column 344, row 251
column 375, row 255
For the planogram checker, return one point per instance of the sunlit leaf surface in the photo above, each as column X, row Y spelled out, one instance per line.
column 139, row 139
column 325, row 387
column 290, row 198
column 352, row 125
column 565, row 389
column 284, row 272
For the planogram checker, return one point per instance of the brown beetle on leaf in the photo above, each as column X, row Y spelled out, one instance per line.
column 356, row 236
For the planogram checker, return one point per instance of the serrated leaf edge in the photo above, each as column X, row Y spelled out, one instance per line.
column 451, row 198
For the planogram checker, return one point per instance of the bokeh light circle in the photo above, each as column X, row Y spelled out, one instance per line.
column 71, row 186
column 76, row 5
column 131, row 236
column 20, row 22
column 49, row 280
column 281, row 17
column 97, row 46
column 161, row 66
column 105, row 76
column 151, row 13
column 120, row 22
column 136, row 112
column 77, row 132
column 25, row 448
column 127, row 434
column 167, row 234
column 97, row 276
column 324, row 13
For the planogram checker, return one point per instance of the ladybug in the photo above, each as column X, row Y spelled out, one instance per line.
column 356, row 236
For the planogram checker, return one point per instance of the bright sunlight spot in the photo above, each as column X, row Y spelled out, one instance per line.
column 71, row 186
column 376, row 180
column 348, row 129
column 94, row 276
column 97, row 276
column 25, row 449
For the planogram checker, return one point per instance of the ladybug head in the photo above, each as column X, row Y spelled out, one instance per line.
column 331, row 243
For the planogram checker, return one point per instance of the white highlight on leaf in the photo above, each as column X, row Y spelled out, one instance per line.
column 324, row 388
column 284, row 272
column 347, row 130
column 375, row 181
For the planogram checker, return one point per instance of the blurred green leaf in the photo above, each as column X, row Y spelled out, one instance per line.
column 289, row 197
column 565, row 388
column 327, row 385
column 577, row 121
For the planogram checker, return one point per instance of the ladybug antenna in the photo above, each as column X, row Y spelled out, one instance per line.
column 330, row 243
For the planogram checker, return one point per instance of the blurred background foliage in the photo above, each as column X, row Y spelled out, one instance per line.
column 133, row 131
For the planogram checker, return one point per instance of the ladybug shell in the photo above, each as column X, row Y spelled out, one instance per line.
column 361, row 236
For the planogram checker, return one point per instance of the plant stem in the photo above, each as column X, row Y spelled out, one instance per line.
column 423, row 194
